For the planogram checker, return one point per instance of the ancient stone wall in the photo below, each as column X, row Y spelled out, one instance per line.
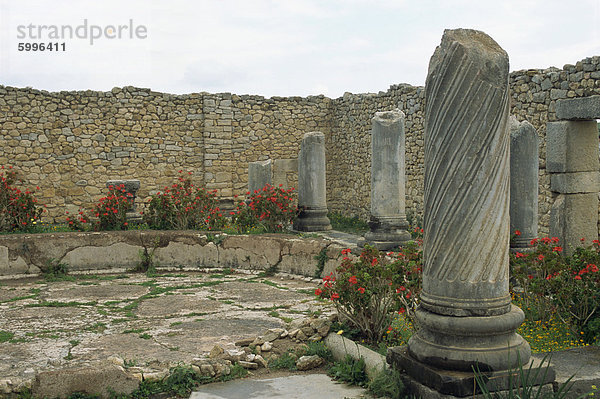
column 349, row 148
column 70, row 143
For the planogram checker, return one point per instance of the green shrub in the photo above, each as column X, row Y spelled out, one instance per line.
column 184, row 206
column 269, row 210
column 19, row 210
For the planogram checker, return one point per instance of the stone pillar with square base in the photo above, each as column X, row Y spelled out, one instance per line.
column 572, row 161
column 312, row 200
column 259, row 175
column 388, row 217
column 523, row 184
column 465, row 317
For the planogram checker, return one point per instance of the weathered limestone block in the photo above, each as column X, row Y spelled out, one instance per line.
column 572, row 147
column 388, row 216
column 466, row 317
column 101, row 379
column 523, row 182
column 573, row 217
column 281, row 169
column 575, row 183
column 577, row 109
column 312, row 200
column 259, row 175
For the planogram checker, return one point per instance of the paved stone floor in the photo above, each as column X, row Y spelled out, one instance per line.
column 151, row 323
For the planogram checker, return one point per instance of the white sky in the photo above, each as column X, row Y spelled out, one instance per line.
column 282, row 47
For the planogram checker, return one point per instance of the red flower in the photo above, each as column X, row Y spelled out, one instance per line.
column 557, row 249
column 533, row 242
column 402, row 310
column 374, row 262
column 361, row 290
column 318, row 292
column 530, row 277
column 519, row 255
column 353, row 280
column 540, row 257
column 335, row 296
column 577, row 277
column 517, row 233
column 346, row 251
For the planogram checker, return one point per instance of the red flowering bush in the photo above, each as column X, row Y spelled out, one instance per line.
column 111, row 210
column 568, row 286
column 184, row 206
column 19, row 210
column 270, row 210
column 79, row 222
column 367, row 292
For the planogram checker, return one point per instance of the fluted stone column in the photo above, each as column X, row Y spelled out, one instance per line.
column 259, row 175
column 388, row 216
column 523, row 183
column 312, row 200
column 465, row 316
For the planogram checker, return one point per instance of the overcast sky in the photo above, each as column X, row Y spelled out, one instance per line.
column 277, row 47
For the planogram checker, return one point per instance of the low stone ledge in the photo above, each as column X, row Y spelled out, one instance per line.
column 29, row 254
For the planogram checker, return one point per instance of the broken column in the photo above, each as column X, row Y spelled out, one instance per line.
column 523, row 184
column 388, row 218
column 465, row 316
column 259, row 175
column 312, row 201
column 572, row 161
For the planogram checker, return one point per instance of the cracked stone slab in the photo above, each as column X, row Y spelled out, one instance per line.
column 578, row 109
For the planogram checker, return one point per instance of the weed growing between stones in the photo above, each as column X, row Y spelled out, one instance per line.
column 523, row 386
column 387, row 383
column 350, row 371
column 321, row 259
column 146, row 264
column 54, row 270
column 180, row 382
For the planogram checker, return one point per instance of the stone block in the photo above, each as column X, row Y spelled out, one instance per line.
column 101, row 379
column 259, row 175
column 578, row 109
column 574, row 183
column 572, row 146
column 573, row 217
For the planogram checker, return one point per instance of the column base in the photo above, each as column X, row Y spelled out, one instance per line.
column 312, row 220
column 461, row 342
column 426, row 381
column 386, row 233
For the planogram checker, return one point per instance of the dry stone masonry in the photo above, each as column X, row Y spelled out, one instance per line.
column 388, row 216
column 523, row 183
column 465, row 316
column 572, row 160
column 70, row 143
